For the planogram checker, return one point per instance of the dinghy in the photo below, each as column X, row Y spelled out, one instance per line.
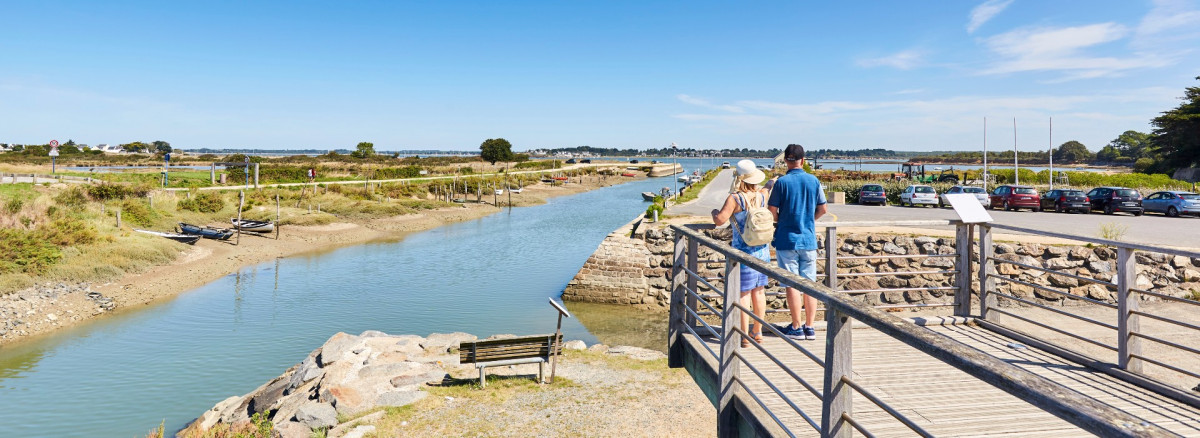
column 190, row 240
column 254, row 226
column 206, row 232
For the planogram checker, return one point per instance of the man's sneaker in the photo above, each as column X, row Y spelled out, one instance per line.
column 809, row 332
column 792, row 333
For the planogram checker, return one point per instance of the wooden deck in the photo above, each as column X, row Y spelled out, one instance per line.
column 940, row 398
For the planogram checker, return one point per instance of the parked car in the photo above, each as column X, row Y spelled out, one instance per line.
column 1173, row 203
column 872, row 194
column 725, row 165
column 571, row 161
column 1113, row 199
column 1014, row 197
column 918, row 194
column 586, row 160
column 1067, row 200
column 979, row 193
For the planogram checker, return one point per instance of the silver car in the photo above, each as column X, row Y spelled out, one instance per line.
column 979, row 193
column 917, row 194
column 1172, row 203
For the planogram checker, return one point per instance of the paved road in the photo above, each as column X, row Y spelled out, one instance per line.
column 711, row 196
column 1150, row 228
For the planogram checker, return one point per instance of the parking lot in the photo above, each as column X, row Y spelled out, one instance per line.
column 1149, row 228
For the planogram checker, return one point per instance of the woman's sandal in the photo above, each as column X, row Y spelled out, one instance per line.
column 758, row 338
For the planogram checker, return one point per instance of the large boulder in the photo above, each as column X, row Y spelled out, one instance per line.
column 315, row 415
column 444, row 342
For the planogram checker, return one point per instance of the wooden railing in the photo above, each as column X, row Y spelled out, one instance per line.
column 1128, row 356
column 11, row 178
column 735, row 399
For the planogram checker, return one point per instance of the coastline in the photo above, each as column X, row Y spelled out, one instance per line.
column 48, row 308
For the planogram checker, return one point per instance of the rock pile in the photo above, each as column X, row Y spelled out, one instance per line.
column 349, row 375
column 48, row 305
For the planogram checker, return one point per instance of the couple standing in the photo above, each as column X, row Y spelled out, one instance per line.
column 797, row 202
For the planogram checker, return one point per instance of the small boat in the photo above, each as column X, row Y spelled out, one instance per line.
column 648, row 196
column 516, row 190
column 255, row 226
column 190, row 240
column 629, row 174
column 206, row 232
column 499, row 191
column 560, row 178
column 633, row 161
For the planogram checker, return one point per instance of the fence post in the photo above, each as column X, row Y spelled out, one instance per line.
column 986, row 267
column 837, row 396
column 831, row 267
column 730, row 342
column 674, row 350
column 962, row 243
column 150, row 197
column 212, row 174
column 256, row 175
column 693, row 264
column 1128, row 323
column 118, row 217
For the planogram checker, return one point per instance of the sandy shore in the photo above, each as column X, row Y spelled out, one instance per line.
column 48, row 308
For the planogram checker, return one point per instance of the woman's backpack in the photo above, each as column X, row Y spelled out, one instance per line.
column 759, row 227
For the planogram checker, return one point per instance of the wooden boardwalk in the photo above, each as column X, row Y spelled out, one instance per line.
column 940, row 398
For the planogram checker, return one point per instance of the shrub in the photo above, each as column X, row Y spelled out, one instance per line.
column 26, row 252
column 110, row 191
column 203, row 202
column 73, row 196
column 67, row 232
column 137, row 212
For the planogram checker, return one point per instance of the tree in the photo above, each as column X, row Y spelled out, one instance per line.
column 363, row 150
column 135, row 147
column 162, row 146
column 1133, row 144
column 496, row 149
column 1108, row 154
column 1072, row 152
column 1177, row 133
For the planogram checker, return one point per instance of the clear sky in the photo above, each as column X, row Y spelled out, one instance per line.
column 910, row 75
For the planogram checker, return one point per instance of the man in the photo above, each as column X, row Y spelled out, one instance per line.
column 797, row 202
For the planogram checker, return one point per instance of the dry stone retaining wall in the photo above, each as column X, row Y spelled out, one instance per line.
column 637, row 271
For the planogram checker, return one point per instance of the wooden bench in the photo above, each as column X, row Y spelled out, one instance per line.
column 500, row 352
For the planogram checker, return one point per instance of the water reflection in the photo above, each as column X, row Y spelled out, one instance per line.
column 622, row 325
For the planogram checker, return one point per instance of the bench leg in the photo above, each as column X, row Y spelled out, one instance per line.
column 541, row 370
column 482, row 378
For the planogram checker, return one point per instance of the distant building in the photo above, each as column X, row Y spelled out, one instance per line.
column 109, row 149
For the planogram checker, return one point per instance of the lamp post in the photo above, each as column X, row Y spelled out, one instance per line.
column 674, row 166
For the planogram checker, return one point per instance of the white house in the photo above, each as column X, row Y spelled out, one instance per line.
column 109, row 149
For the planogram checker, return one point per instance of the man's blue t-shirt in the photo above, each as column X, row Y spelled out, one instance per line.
column 797, row 196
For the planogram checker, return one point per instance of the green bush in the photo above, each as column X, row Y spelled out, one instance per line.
column 66, row 231
column 137, row 212
column 203, row 202
column 73, row 196
column 26, row 252
column 111, row 191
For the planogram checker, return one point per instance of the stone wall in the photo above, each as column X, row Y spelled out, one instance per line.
column 637, row 271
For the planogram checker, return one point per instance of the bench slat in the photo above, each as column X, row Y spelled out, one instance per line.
column 508, row 349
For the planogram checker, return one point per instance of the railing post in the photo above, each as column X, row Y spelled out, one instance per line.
column 962, row 280
column 831, row 267
column 727, row 416
column 837, row 400
column 674, row 352
column 693, row 264
column 986, row 268
column 1128, row 324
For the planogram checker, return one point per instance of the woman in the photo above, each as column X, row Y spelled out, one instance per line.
column 746, row 192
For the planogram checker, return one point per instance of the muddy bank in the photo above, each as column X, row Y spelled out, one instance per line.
column 48, row 307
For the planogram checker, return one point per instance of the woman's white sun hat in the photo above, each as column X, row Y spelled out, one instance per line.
column 747, row 172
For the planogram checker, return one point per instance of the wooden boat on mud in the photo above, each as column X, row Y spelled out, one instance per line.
column 205, row 232
column 253, row 226
column 184, row 238
column 648, row 196
column 629, row 174
column 516, row 190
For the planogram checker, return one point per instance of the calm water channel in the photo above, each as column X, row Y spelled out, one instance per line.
column 123, row 375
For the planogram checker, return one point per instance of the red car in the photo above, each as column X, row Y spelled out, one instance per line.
column 1012, row 197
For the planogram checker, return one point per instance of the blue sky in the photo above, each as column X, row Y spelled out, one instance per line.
column 918, row 75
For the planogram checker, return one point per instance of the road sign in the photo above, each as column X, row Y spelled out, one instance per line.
column 54, row 152
column 167, row 157
column 53, row 143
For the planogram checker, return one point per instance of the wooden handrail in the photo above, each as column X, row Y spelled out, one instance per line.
column 1082, row 411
